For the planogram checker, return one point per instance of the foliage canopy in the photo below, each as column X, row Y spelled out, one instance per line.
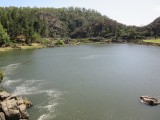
column 36, row 23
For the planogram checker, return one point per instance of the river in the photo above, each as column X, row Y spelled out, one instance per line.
column 85, row 82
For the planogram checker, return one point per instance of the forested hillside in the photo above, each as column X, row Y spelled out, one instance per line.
column 153, row 29
column 28, row 24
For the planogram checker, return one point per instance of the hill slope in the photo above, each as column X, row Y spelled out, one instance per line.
column 26, row 23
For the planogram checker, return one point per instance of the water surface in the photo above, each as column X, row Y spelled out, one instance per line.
column 90, row 82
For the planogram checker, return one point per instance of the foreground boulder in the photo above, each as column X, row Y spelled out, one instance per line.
column 4, row 95
column 12, row 107
column 149, row 100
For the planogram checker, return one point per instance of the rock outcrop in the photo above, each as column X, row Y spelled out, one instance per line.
column 149, row 100
column 13, row 107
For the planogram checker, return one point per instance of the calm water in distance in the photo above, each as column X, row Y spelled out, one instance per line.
column 86, row 82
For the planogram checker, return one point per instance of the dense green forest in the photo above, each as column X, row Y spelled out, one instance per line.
column 31, row 24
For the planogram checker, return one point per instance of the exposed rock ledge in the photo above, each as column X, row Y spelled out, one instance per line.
column 149, row 100
column 13, row 107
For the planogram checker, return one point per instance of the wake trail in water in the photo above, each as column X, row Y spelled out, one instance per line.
column 21, row 87
column 9, row 69
column 53, row 97
column 8, row 83
column 35, row 88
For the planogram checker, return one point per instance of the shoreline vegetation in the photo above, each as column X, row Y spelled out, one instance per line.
column 54, row 43
column 29, row 28
column 22, row 47
column 22, row 27
column 71, row 42
column 152, row 41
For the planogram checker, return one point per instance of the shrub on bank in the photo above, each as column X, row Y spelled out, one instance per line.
column 59, row 43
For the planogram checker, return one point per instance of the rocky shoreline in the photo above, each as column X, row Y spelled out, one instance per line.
column 13, row 107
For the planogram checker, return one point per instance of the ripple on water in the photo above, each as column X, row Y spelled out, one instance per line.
column 89, row 57
column 8, row 83
column 35, row 87
column 53, row 97
column 50, row 108
column 10, row 68
column 28, row 87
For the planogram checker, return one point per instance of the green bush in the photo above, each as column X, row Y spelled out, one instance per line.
column 36, row 38
column 45, row 41
column 59, row 42
column 4, row 37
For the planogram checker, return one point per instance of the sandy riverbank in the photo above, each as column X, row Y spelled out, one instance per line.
column 32, row 46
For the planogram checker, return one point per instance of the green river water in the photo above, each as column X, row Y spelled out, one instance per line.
column 86, row 82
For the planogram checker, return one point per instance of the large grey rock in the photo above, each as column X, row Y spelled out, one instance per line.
column 22, row 109
column 14, row 114
column 150, row 100
column 9, row 107
column 20, row 100
column 12, row 97
column 11, row 104
column 13, row 108
column 2, row 116
column 4, row 107
column 4, row 95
